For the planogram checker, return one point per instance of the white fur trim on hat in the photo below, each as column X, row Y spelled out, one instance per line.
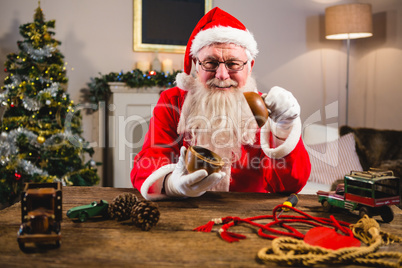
column 286, row 147
column 185, row 81
column 222, row 34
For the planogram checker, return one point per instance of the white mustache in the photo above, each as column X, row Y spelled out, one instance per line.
column 214, row 82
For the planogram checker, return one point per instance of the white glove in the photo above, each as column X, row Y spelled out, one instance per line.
column 283, row 109
column 179, row 183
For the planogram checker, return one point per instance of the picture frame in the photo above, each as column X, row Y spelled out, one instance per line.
column 170, row 31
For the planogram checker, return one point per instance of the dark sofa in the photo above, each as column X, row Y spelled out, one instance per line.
column 377, row 148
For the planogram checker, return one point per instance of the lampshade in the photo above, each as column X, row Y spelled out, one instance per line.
column 348, row 21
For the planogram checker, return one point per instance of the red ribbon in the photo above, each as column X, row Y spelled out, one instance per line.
column 268, row 231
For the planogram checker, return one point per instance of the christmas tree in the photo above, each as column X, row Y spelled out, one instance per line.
column 40, row 133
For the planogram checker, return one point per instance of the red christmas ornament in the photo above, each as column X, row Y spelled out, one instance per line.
column 5, row 69
column 152, row 73
column 17, row 176
column 12, row 105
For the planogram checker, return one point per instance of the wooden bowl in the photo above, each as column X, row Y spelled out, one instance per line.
column 201, row 158
column 257, row 106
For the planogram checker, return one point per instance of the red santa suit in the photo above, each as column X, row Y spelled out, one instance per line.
column 261, row 167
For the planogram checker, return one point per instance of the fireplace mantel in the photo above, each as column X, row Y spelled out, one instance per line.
column 129, row 112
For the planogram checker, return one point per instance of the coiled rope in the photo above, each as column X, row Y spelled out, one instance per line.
column 293, row 252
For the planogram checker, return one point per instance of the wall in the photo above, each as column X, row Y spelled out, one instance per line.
column 294, row 54
column 96, row 37
column 377, row 79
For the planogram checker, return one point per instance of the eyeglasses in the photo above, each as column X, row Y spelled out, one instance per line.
column 213, row 65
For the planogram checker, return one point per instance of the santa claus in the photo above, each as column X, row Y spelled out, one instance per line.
column 207, row 108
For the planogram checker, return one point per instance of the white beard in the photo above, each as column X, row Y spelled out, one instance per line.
column 219, row 120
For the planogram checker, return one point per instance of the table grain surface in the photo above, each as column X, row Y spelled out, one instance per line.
column 171, row 243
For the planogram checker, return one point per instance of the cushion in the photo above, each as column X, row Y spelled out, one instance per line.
column 332, row 160
column 317, row 133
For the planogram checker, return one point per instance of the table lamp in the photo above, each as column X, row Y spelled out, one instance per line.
column 345, row 22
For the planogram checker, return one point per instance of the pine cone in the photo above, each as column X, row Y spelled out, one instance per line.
column 120, row 207
column 145, row 215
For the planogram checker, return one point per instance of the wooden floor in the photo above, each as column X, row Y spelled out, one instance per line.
column 172, row 243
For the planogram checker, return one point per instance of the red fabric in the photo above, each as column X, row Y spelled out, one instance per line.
column 328, row 238
column 254, row 172
column 215, row 17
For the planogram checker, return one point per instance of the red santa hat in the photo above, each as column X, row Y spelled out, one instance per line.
column 218, row 26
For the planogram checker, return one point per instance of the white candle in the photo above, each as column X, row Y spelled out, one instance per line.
column 167, row 66
column 144, row 66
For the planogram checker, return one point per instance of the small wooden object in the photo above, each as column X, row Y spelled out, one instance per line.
column 41, row 214
column 257, row 106
column 201, row 158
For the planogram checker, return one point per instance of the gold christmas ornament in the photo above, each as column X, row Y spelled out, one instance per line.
column 41, row 139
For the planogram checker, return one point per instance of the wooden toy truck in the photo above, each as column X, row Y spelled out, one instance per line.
column 41, row 214
column 371, row 192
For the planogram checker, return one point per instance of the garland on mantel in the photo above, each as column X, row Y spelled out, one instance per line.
column 99, row 89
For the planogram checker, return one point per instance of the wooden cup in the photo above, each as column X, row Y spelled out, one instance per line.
column 257, row 106
column 201, row 158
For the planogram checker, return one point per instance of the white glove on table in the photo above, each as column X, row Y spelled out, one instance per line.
column 179, row 183
column 283, row 109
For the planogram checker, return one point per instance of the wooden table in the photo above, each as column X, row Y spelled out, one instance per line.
column 172, row 243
